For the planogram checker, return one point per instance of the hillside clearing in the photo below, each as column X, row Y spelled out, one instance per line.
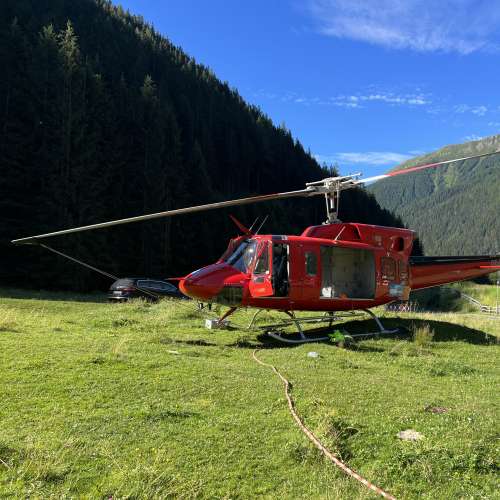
column 140, row 400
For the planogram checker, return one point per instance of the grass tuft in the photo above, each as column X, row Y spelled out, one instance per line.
column 8, row 321
column 305, row 454
column 450, row 367
column 339, row 432
column 422, row 335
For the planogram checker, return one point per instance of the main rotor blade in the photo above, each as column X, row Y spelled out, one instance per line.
column 324, row 187
column 170, row 213
column 422, row 167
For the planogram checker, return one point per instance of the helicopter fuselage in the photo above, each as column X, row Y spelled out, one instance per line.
column 332, row 267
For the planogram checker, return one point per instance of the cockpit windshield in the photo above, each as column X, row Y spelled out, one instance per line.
column 242, row 255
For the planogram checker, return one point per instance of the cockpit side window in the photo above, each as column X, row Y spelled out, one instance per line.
column 243, row 255
column 262, row 265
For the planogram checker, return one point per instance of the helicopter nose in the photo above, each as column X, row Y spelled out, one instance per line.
column 206, row 283
column 197, row 289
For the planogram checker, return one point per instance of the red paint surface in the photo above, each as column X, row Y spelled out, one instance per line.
column 434, row 275
column 205, row 283
column 212, row 282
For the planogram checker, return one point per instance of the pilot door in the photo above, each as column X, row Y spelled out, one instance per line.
column 270, row 277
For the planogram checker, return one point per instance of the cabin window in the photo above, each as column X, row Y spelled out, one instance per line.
column 311, row 264
column 403, row 272
column 347, row 273
column 388, row 268
column 262, row 265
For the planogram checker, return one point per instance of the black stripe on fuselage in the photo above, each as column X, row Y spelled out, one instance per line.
column 428, row 261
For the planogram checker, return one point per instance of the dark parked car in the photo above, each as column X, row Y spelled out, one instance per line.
column 151, row 289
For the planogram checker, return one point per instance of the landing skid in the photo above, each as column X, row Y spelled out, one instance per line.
column 273, row 332
column 303, row 339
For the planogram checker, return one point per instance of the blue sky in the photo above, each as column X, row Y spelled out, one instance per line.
column 362, row 83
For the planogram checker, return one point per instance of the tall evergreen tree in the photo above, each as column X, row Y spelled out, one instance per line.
column 103, row 118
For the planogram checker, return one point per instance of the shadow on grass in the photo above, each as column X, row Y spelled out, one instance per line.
column 443, row 332
column 7, row 454
column 17, row 293
column 196, row 342
column 264, row 341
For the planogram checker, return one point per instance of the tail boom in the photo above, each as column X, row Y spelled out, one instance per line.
column 427, row 272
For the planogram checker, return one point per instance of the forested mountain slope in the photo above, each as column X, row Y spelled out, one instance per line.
column 455, row 209
column 103, row 118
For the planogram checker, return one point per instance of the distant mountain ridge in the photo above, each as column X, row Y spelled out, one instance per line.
column 455, row 209
column 485, row 145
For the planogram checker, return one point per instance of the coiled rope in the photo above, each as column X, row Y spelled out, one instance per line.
column 341, row 465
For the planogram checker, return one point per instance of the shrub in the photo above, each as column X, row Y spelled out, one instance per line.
column 422, row 335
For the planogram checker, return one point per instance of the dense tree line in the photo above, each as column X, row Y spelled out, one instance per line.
column 103, row 118
column 455, row 209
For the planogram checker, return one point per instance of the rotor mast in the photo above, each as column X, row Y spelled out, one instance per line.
column 331, row 187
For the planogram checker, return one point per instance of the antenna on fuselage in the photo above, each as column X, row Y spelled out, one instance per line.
column 263, row 222
column 253, row 224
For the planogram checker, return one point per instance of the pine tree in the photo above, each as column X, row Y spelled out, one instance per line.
column 102, row 118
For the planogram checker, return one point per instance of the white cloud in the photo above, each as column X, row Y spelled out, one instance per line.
column 351, row 101
column 462, row 108
column 366, row 158
column 413, row 98
column 462, row 26
column 475, row 110
column 383, row 97
column 346, row 104
column 479, row 110
column 417, row 101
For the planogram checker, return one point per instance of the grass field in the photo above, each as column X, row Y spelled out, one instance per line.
column 136, row 400
column 486, row 294
column 447, row 298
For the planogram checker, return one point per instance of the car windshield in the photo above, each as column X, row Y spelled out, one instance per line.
column 123, row 283
column 242, row 256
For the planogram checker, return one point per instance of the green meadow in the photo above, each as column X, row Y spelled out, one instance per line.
column 139, row 400
column 488, row 295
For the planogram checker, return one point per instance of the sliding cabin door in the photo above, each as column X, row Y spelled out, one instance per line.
column 347, row 273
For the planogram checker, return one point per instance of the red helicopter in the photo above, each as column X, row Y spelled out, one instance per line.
column 329, row 268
